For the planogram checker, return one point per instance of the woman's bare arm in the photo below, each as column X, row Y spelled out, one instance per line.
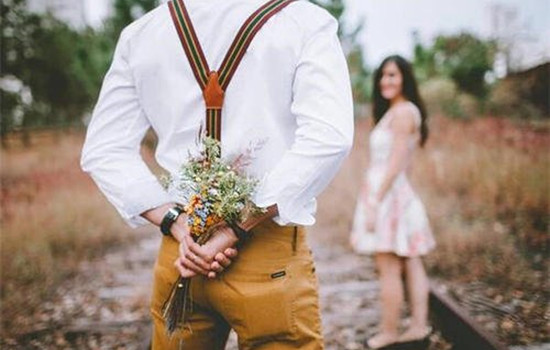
column 402, row 126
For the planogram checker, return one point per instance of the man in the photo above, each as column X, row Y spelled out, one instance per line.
column 292, row 91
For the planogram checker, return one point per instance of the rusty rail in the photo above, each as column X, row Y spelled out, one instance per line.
column 458, row 327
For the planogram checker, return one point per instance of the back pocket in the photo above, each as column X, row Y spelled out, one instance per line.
column 264, row 306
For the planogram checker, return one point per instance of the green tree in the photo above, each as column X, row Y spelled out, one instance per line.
column 57, row 64
column 61, row 67
column 124, row 13
column 15, row 37
column 464, row 58
column 336, row 8
column 424, row 60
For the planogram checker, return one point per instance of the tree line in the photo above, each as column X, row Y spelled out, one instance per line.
column 51, row 73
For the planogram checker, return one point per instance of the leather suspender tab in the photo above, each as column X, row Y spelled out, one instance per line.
column 213, row 93
column 214, row 83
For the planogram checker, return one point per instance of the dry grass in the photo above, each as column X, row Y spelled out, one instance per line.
column 53, row 217
column 486, row 186
column 484, row 182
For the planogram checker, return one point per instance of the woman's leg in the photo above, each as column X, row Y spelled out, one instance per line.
column 418, row 290
column 389, row 268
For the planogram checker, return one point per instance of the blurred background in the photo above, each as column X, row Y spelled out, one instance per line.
column 73, row 275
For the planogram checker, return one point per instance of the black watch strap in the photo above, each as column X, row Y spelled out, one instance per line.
column 241, row 233
column 169, row 218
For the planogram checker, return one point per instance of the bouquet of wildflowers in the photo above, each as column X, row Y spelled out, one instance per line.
column 214, row 190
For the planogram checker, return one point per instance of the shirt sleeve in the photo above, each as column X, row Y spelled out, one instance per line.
column 111, row 151
column 323, row 106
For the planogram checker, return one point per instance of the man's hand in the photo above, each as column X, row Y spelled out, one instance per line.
column 192, row 257
column 209, row 259
column 180, row 231
column 219, row 250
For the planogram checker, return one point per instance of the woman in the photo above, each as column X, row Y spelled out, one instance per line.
column 390, row 220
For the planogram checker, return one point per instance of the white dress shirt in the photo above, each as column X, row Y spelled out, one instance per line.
column 292, row 91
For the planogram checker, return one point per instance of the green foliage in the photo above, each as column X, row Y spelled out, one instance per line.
column 61, row 67
column 441, row 95
column 424, row 60
column 466, row 59
column 49, row 70
column 125, row 12
column 336, row 8
column 94, row 51
column 360, row 82
column 463, row 58
column 213, row 188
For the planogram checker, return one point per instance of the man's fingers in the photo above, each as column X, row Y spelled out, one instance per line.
column 193, row 267
column 201, row 252
column 188, row 248
column 196, row 260
column 231, row 252
column 183, row 271
column 191, row 244
column 211, row 274
column 222, row 260
column 216, row 266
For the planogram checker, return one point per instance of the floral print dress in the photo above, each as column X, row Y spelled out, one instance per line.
column 402, row 226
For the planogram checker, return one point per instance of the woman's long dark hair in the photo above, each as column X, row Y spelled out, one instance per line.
column 410, row 92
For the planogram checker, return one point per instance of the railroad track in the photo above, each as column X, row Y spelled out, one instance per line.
column 457, row 327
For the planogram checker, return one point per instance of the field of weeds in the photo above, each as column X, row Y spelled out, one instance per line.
column 484, row 183
column 486, row 186
column 53, row 217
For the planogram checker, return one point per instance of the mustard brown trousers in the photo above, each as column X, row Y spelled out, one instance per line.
column 269, row 296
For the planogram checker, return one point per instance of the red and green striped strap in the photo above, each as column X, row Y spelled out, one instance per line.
column 244, row 37
column 214, row 123
column 197, row 60
column 190, row 42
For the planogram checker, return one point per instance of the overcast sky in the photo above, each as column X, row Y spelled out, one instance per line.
column 388, row 24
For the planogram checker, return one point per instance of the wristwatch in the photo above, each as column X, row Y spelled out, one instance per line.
column 169, row 218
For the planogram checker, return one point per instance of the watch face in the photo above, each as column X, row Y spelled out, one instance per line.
column 173, row 213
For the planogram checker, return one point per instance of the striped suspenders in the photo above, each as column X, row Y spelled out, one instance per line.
column 214, row 83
